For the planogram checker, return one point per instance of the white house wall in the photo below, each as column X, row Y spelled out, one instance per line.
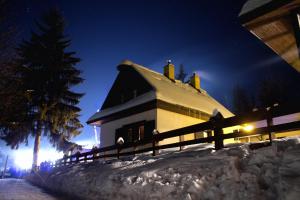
column 167, row 120
column 107, row 136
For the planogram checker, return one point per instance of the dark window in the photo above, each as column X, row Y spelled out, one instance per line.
column 129, row 134
column 136, row 131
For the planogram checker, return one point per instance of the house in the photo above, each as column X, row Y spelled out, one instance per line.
column 275, row 23
column 141, row 100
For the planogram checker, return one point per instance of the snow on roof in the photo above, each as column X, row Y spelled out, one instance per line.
column 177, row 92
column 251, row 5
column 166, row 90
column 131, row 103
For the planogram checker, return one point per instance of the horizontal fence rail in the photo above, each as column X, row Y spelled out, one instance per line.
column 211, row 125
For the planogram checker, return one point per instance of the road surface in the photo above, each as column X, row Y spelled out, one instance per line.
column 19, row 189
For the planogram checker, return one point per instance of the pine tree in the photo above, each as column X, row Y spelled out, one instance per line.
column 14, row 116
column 48, row 72
column 181, row 75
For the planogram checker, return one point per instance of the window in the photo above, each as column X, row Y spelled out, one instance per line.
column 203, row 134
column 199, row 135
column 136, row 131
column 129, row 134
column 132, row 133
column 141, row 132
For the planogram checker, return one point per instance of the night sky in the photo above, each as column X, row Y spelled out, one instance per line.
column 205, row 36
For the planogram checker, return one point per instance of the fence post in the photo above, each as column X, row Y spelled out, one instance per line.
column 118, row 152
column 94, row 153
column 154, row 132
column 77, row 157
column 209, row 134
column 153, row 147
column 5, row 166
column 120, row 142
column 181, row 139
column 65, row 160
column 217, row 121
column 269, row 124
column 218, row 138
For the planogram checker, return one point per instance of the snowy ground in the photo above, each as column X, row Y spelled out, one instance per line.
column 18, row 189
column 235, row 172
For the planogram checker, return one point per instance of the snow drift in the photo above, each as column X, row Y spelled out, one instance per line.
column 199, row 172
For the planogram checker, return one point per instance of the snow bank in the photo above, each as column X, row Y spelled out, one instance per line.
column 235, row 172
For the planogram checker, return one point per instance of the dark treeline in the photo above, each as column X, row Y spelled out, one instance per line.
column 272, row 88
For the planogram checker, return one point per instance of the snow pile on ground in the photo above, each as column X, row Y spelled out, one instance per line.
column 235, row 172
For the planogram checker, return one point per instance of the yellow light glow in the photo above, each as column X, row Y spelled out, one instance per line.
column 248, row 127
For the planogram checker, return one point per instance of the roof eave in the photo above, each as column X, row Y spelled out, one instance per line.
column 259, row 11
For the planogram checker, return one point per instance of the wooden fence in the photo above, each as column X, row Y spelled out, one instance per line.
column 150, row 145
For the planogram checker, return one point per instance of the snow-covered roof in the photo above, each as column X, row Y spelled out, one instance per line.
column 251, row 5
column 131, row 103
column 177, row 93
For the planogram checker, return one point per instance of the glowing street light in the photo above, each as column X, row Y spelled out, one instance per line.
column 248, row 127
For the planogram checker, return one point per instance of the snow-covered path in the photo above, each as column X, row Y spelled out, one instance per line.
column 19, row 189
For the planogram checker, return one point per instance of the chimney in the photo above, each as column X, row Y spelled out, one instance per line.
column 169, row 71
column 195, row 81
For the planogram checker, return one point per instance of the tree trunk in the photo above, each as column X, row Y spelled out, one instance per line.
column 36, row 150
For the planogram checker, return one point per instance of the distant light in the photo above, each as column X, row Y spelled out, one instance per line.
column 23, row 157
column 96, row 133
column 248, row 127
